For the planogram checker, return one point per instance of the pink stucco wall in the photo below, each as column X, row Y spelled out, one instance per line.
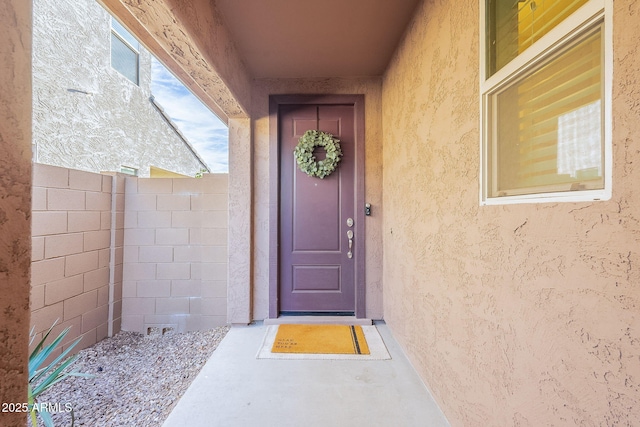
column 522, row 315
column 15, row 203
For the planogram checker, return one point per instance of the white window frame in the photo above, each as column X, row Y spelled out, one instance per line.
column 588, row 15
column 134, row 49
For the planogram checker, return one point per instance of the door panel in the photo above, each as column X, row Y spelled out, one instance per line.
column 316, row 275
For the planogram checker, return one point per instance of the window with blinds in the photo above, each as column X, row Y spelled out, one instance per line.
column 544, row 122
column 124, row 52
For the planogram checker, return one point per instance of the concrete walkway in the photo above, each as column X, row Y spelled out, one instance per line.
column 236, row 389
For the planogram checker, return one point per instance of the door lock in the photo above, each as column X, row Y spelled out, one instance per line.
column 350, row 237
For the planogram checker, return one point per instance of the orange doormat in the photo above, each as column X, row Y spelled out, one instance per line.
column 320, row 339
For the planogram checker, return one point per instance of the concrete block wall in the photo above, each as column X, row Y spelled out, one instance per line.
column 175, row 253
column 71, row 239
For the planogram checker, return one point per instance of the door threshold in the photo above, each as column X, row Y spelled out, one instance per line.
column 318, row 320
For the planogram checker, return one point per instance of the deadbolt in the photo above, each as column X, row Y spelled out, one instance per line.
column 350, row 222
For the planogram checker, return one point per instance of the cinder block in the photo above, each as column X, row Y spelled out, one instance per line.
column 217, row 254
column 195, row 305
column 117, row 309
column 186, row 288
column 132, row 306
column 210, row 202
column 172, row 306
column 155, row 185
column 76, row 329
column 63, row 289
column 131, row 254
column 120, row 203
column 47, row 270
column 129, row 288
column 140, row 237
column 45, row 223
column 43, row 318
column 92, row 319
column 139, row 272
column 172, row 236
column 130, row 184
column 81, row 263
column 118, row 273
column 94, row 240
column 154, row 219
column 156, row 254
column 96, row 279
column 37, row 297
column 133, row 323
column 210, row 322
column 186, row 219
column 215, row 183
column 140, row 202
column 98, row 201
column 81, row 180
column 214, row 306
column 188, row 253
column 39, row 199
column 188, row 186
column 63, row 244
column 119, row 237
column 215, row 219
column 153, row 288
column 104, row 255
column 50, row 176
column 173, row 202
column 107, row 183
column 80, row 304
column 105, row 220
column 84, row 221
column 117, row 324
column 102, row 331
column 214, row 288
column 103, row 296
column 65, row 200
column 37, row 248
column 208, row 236
column 214, row 271
column 88, row 339
column 173, row 270
column 131, row 219
column 193, row 322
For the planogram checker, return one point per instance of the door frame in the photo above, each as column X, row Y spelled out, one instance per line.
column 275, row 101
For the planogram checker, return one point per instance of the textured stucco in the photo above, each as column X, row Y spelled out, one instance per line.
column 15, row 203
column 371, row 88
column 116, row 124
column 190, row 38
column 523, row 315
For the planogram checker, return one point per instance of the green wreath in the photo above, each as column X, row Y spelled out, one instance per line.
column 307, row 161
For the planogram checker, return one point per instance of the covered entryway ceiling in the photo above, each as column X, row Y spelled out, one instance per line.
column 316, row 38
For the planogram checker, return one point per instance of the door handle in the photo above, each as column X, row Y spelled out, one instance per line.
column 350, row 237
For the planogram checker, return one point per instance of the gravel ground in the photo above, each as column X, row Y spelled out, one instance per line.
column 137, row 379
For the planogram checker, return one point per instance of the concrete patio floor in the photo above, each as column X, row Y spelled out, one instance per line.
column 235, row 388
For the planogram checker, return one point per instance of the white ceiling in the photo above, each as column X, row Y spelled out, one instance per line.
column 316, row 38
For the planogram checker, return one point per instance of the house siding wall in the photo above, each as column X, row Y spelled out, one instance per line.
column 371, row 88
column 175, row 253
column 116, row 124
column 520, row 315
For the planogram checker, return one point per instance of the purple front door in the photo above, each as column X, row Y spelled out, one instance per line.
column 316, row 272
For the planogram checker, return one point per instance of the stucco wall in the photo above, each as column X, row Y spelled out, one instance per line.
column 72, row 258
column 175, row 253
column 522, row 315
column 113, row 126
column 15, row 203
column 371, row 88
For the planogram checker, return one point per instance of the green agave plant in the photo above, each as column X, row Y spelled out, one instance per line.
column 42, row 377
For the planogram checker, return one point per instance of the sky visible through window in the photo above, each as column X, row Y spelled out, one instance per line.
column 203, row 129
